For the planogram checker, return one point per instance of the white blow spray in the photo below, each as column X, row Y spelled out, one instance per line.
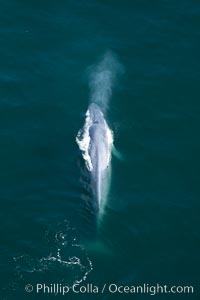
column 102, row 78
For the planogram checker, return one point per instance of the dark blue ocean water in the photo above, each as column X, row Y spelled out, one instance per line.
column 150, row 231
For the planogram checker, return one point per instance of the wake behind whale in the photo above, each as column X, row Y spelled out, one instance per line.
column 95, row 139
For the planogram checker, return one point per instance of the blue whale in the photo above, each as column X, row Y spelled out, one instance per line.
column 95, row 140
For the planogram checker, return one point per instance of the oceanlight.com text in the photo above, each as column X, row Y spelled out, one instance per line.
column 112, row 288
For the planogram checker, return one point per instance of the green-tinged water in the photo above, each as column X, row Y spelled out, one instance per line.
column 149, row 232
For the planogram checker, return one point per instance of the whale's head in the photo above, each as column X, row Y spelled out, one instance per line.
column 96, row 115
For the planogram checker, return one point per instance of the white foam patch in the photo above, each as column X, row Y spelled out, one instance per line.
column 68, row 260
column 83, row 141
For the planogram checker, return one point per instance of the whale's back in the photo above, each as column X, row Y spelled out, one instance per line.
column 99, row 148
